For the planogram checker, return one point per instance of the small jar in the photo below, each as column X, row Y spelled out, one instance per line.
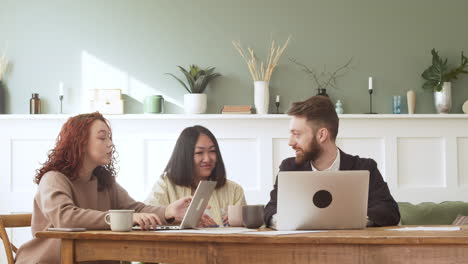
column 35, row 104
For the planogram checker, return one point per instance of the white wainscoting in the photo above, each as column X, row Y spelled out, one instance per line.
column 422, row 157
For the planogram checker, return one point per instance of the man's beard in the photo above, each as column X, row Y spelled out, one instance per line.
column 311, row 155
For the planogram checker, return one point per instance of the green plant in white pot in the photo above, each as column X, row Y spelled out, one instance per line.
column 438, row 78
column 197, row 81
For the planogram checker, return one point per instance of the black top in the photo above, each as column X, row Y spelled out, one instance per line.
column 382, row 209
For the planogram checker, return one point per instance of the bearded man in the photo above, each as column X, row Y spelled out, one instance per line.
column 313, row 132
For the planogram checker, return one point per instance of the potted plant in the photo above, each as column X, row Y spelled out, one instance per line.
column 438, row 78
column 197, row 81
column 325, row 78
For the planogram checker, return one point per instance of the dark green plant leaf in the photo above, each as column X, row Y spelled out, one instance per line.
column 199, row 84
column 452, row 75
column 181, row 82
column 200, row 73
column 435, row 56
column 429, row 85
column 194, row 71
column 427, row 74
column 210, row 71
column 207, row 80
column 189, row 78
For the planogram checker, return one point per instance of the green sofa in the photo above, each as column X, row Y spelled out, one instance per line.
column 427, row 213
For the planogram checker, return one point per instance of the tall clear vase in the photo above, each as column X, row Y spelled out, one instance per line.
column 443, row 99
column 262, row 97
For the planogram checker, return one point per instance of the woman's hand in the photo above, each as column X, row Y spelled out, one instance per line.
column 207, row 221
column 177, row 209
column 146, row 220
column 225, row 220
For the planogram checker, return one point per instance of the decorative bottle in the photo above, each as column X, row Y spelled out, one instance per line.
column 339, row 107
column 35, row 104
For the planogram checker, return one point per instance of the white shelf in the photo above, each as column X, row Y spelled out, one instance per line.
column 403, row 116
column 241, row 117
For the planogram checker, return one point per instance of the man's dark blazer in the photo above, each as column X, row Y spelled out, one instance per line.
column 382, row 208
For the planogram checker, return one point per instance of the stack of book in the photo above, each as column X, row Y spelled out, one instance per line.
column 237, row 109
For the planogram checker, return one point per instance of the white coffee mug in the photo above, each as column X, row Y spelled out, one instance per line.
column 235, row 215
column 120, row 220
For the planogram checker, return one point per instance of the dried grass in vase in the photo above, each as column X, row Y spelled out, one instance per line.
column 3, row 65
column 263, row 71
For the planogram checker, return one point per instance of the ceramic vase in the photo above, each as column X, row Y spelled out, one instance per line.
column 195, row 103
column 443, row 99
column 261, row 97
column 411, row 99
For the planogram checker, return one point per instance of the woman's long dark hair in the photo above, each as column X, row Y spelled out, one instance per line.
column 180, row 169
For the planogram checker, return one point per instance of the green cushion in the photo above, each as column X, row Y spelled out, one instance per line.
column 431, row 213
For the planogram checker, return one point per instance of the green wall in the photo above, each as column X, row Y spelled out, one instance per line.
column 389, row 40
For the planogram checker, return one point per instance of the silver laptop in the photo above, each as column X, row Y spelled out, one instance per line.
column 322, row 200
column 192, row 216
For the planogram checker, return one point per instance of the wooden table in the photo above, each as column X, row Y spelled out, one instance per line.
column 372, row 245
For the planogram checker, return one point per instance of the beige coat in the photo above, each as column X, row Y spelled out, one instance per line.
column 60, row 202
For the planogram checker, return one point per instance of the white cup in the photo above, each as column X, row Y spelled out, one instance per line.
column 120, row 220
column 235, row 215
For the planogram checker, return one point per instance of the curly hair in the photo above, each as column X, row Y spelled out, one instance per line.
column 68, row 154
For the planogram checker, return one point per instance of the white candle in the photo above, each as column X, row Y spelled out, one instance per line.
column 370, row 83
column 277, row 98
column 61, row 89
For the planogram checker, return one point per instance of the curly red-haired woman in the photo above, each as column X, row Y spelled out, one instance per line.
column 76, row 186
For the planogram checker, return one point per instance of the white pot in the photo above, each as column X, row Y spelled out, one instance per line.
column 195, row 103
column 262, row 97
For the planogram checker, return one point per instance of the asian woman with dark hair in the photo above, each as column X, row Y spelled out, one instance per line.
column 196, row 156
